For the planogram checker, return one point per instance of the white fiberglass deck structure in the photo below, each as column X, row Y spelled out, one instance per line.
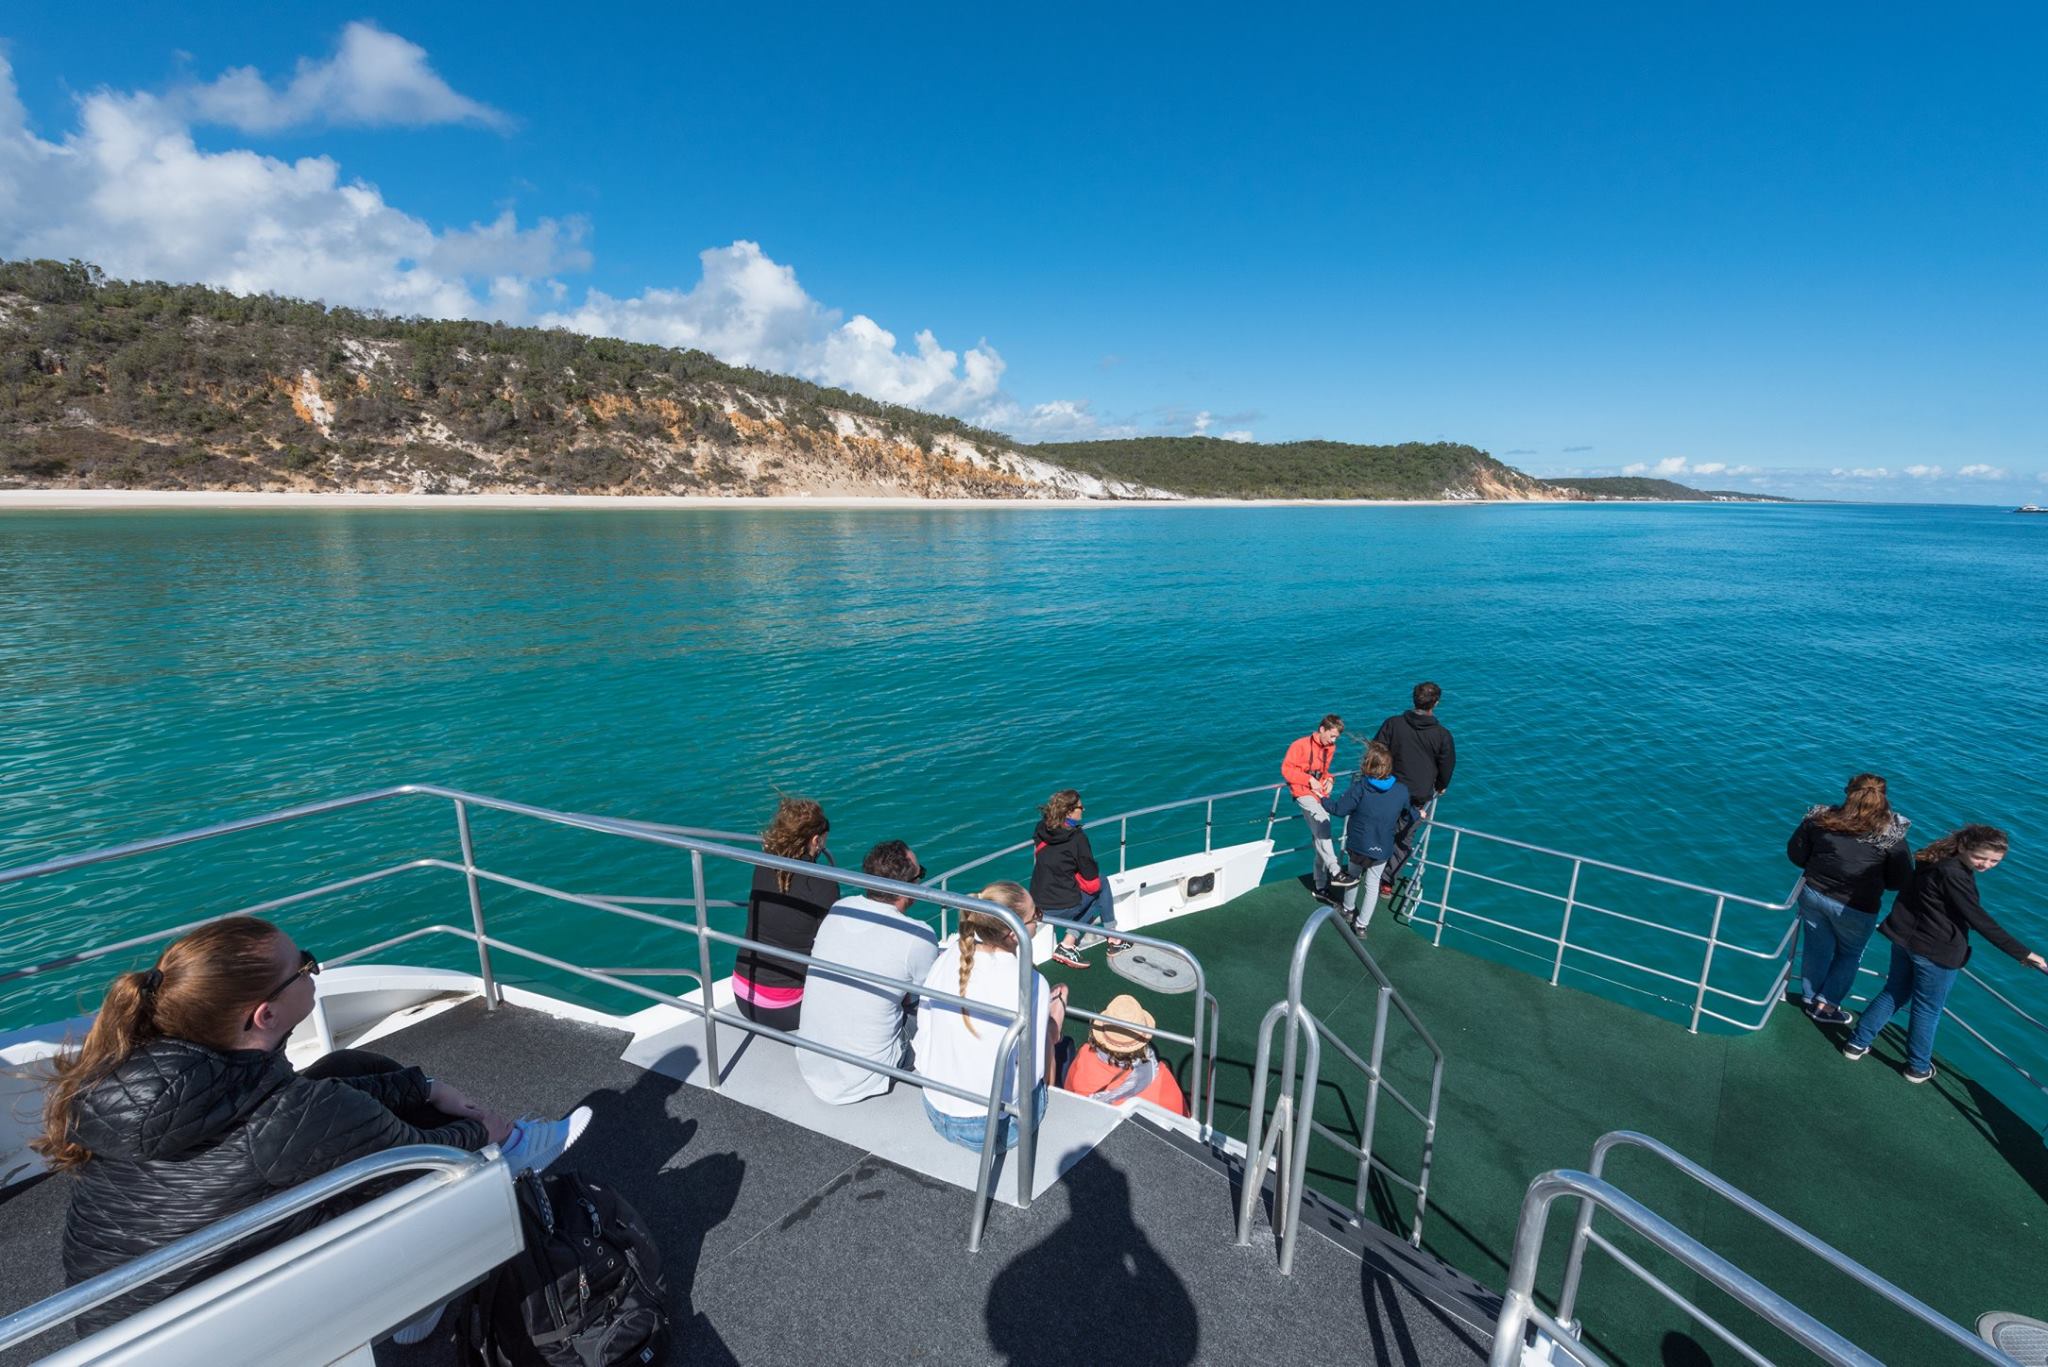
column 686, row 1063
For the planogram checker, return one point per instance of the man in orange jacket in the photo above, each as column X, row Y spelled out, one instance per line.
column 1307, row 771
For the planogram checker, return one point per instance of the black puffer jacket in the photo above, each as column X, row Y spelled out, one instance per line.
column 182, row 1135
column 1853, row 869
column 1063, row 867
column 1424, row 754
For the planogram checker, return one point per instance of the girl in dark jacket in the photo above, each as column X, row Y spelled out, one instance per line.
column 1930, row 929
column 1378, row 809
column 1066, row 882
column 180, row 1109
column 1852, row 853
column 784, row 909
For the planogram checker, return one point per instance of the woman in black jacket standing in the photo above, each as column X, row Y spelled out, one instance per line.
column 784, row 910
column 1930, row 929
column 1852, row 853
column 180, row 1108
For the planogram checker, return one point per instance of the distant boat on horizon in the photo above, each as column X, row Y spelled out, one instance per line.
column 2030, row 508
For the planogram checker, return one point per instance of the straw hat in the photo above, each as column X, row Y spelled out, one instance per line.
column 1123, row 1008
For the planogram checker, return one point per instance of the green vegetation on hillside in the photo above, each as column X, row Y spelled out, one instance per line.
column 1208, row 467
column 149, row 384
column 1638, row 487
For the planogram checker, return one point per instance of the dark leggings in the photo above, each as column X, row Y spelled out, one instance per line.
column 362, row 1063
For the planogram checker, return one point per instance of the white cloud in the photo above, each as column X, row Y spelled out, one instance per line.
column 373, row 79
column 1237, row 434
column 748, row 309
column 1925, row 471
column 1861, row 472
column 1984, row 472
column 1203, row 421
column 1712, row 467
column 129, row 190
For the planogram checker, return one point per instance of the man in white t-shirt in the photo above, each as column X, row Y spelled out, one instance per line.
column 875, row 935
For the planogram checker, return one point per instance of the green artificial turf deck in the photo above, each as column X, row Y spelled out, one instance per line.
column 1940, row 1188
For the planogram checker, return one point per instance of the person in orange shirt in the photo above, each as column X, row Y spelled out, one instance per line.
column 1117, row 1063
column 1307, row 771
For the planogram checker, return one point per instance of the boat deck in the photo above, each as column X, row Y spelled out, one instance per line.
column 1940, row 1188
column 782, row 1245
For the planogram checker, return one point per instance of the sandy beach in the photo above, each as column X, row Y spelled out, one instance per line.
column 109, row 499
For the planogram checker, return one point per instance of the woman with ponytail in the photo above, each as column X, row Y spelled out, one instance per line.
column 180, row 1108
column 1930, row 929
column 960, row 1045
column 1851, row 853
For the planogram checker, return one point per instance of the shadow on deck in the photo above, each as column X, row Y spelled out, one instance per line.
column 1939, row 1188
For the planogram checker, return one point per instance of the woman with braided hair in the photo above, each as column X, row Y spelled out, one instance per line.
column 962, row 1045
column 179, row 1108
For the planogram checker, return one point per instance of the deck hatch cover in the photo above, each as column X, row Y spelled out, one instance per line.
column 1162, row 970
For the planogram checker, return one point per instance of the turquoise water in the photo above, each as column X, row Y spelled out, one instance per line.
column 1661, row 686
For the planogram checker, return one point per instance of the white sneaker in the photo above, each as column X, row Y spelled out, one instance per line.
column 421, row 1329
column 534, row 1144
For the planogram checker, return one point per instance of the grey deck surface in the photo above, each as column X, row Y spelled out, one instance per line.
column 783, row 1246
column 762, row 1073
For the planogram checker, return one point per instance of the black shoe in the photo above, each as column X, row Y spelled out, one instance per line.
column 1343, row 878
column 1328, row 898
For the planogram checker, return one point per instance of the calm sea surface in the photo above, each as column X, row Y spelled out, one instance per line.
column 1666, row 687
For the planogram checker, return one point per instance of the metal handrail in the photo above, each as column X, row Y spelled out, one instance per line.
column 1123, row 822
column 442, row 1163
column 1519, row 1309
column 1712, row 943
column 1203, row 998
column 1702, row 993
column 1020, row 1055
column 1582, row 1232
column 1296, row 1107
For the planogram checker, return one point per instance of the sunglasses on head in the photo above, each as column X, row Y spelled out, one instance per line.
column 309, row 966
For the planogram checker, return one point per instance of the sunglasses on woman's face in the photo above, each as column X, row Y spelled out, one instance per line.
column 309, row 967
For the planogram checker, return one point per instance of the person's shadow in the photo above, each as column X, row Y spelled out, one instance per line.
column 1094, row 1290
column 634, row 1144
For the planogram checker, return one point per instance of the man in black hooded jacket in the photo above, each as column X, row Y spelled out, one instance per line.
column 1424, row 757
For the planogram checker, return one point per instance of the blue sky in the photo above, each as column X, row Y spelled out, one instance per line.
column 1789, row 240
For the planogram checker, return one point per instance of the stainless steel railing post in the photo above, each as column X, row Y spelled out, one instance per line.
column 1564, row 931
column 1029, row 1053
column 1195, row 1064
column 1209, row 826
column 1257, row 1142
column 1372, row 1098
column 1443, row 906
column 704, row 969
column 1699, row 1001
column 476, row 906
column 1304, row 1103
column 984, row 1181
column 1123, row 845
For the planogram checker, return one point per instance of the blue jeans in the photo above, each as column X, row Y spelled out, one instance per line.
column 1914, row 982
column 1833, row 936
column 969, row 1131
column 1097, row 908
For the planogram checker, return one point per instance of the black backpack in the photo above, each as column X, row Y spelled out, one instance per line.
column 587, row 1291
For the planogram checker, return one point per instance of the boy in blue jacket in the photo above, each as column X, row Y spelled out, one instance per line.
column 1378, row 811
